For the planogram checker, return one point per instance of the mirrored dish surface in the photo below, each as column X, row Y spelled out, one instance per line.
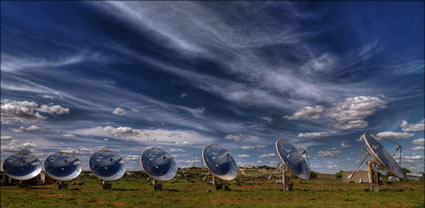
column 381, row 156
column 63, row 166
column 107, row 165
column 220, row 162
column 22, row 166
column 158, row 164
column 292, row 158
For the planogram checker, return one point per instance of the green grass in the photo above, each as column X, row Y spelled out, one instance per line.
column 188, row 190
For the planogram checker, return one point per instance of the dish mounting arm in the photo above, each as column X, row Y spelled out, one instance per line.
column 276, row 171
column 358, row 167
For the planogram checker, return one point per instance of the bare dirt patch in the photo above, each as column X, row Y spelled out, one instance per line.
column 100, row 202
column 269, row 181
column 118, row 204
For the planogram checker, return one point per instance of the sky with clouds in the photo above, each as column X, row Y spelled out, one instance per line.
column 83, row 76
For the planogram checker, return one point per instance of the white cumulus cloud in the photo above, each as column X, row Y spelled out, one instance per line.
column 29, row 145
column 183, row 143
column 12, row 111
column 394, row 135
column 307, row 113
column 176, row 149
column 70, row 150
column 21, row 111
column 250, row 147
column 313, row 135
column 243, row 156
column 119, row 111
column 405, row 126
column 356, row 124
column 350, row 113
column 121, row 131
column 234, row 138
column 54, row 109
column 347, row 114
column 419, row 141
column 268, row 155
column 343, row 145
column 329, row 153
column 418, row 148
column 6, row 138
column 32, row 128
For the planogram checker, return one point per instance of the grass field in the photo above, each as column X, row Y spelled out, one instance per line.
column 251, row 189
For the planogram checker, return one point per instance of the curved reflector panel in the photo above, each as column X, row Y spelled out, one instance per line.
column 63, row 166
column 107, row 165
column 22, row 166
column 220, row 162
column 158, row 164
column 292, row 159
column 381, row 156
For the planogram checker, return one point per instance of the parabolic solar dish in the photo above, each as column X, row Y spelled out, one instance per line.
column 158, row 164
column 292, row 159
column 107, row 165
column 220, row 162
column 381, row 156
column 22, row 166
column 63, row 166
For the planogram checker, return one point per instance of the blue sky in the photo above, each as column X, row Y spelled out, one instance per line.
column 83, row 76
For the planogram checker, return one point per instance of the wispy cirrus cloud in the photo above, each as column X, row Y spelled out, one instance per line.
column 192, row 73
column 13, row 63
column 158, row 136
column 219, row 39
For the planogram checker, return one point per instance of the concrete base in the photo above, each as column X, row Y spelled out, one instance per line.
column 157, row 187
column 63, row 186
column 107, row 186
column 374, row 187
column 288, row 187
